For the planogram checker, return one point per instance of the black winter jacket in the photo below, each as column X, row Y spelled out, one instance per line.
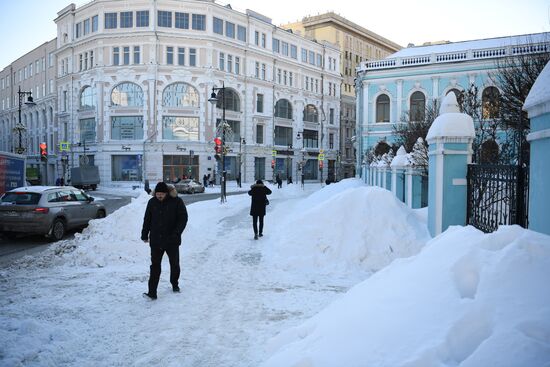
column 164, row 222
column 259, row 197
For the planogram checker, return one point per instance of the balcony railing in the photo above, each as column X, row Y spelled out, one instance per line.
column 438, row 58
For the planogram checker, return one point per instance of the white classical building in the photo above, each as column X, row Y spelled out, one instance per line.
column 133, row 81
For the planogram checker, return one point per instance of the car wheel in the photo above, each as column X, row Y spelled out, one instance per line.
column 192, row 191
column 100, row 214
column 58, row 230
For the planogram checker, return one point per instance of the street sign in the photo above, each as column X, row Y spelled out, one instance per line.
column 64, row 146
column 321, row 157
column 321, row 151
column 274, row 152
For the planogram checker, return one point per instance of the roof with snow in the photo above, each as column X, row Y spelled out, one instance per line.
column 473, row 45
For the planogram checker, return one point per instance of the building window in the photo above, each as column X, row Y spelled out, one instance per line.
column 199, row 22
column 294, row 52
column 116, row 56
column 181, row 56
column 221, row 62
column 87, row 98
column 237, row 65
column 320, row 60
column 126, row 168
column 110, row 20
column 241, row 33
column 231, row 99
column 417, row 106
column 264, row 38
column 331, row 116
column 182, row 20
column 257, row 72
column 260, row 103
column 170, row 55
column 235, row 127
column 95, row 23
column 137, row 55
column 264, row 71
column 276, row 45
column 285, row 48
column 126, row 51
column 279, row 76
column 290, row 82
column 126, row 127
column 383, row 108
column 77, row 31
column 86, row 26
column 304, row 55
column 230, row 29
column 142, row 18
column 283, row 135
column 180, row 128
column 331, row 141
column 192, row 57
column 218, row 26
column 311, row 138
column 256, row 38
column 180, row 95
column 283, row 109
column 490, row 100
column 87, row 130
column 311, row 58
column 259, row 134
column 127, row 95
column 229, row 63
column 164, row 19
column 126, row 19
column 311, row 114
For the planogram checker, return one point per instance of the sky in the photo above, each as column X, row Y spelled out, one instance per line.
column 27, row 24
column 345, row 275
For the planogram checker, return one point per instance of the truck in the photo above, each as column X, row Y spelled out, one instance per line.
column 12, row 171
column 85, row 177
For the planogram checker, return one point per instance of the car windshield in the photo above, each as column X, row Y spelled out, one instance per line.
column 21, row 198
column 186, row 182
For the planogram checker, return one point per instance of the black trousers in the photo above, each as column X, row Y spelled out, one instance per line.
column 255, row 223
column 156, row 259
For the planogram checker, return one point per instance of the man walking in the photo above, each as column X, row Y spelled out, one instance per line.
column 164, row 221
column 259, row 193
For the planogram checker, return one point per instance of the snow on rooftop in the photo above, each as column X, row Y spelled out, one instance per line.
column 540, row 91
column 472, row 45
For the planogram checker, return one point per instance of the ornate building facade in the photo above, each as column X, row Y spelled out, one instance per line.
column 133, row 84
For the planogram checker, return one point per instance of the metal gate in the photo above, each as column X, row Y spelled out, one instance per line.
column 497, row 195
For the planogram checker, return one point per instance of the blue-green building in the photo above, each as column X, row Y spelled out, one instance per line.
column 412, row 78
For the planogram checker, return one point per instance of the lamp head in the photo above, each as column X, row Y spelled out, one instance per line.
column 30, row 102
column 213, row 99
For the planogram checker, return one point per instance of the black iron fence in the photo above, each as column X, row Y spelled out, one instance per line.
column 497, row 195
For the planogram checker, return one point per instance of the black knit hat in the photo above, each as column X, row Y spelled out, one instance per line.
column 161, row 187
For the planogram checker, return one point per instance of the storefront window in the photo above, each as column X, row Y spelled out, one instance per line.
column 180, row 128
column 126, row 168
column 87, row 130
column 127, row 127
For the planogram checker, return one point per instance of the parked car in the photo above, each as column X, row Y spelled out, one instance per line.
column 47, row 210
column 188, row 187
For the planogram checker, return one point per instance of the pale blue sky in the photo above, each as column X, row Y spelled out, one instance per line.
column 26, row 24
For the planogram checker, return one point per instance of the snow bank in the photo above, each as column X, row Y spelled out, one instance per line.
column 347, row 224
column 468, row 299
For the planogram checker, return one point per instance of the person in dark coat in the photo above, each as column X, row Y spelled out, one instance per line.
column 259, row 193
column 164, row 221
column 279, row 181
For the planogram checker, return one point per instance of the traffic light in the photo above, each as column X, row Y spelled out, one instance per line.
column 320, row 165
column 272, row 163
column 217, row 147
column 43, row 151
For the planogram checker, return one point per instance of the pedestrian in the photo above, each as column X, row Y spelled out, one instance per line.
column 259, row 200
column 163, row 223
column 279, row 181
column 289, row 180
column 58, row 181
column 205, row 180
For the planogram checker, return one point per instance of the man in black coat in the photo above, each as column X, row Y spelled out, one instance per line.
column 259, row 193
column 164, row 221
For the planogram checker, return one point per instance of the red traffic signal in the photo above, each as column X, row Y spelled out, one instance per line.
column 273, row 163
column 320, row 165
column 218, row 147
column 43, row 151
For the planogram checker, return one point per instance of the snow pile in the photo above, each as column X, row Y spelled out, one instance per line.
column 468, row 299
column 347, row 224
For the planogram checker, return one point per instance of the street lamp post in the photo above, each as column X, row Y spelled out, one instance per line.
column 214, row 100
column 241, row 143
column 20, row 128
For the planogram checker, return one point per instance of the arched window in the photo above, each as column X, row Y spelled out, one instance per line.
column 127, row 95
column 311, row 114
column 87, row 98
column 383, row 108
column 456, row 92
column 490, row 101
column 283, row 109
column 489, row 152
column 417, row 106
column 180, row 95
column 231, row 98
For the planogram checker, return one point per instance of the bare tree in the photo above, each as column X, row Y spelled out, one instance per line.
column 408, row 131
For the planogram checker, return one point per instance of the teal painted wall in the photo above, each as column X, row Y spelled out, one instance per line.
column 539, row 173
